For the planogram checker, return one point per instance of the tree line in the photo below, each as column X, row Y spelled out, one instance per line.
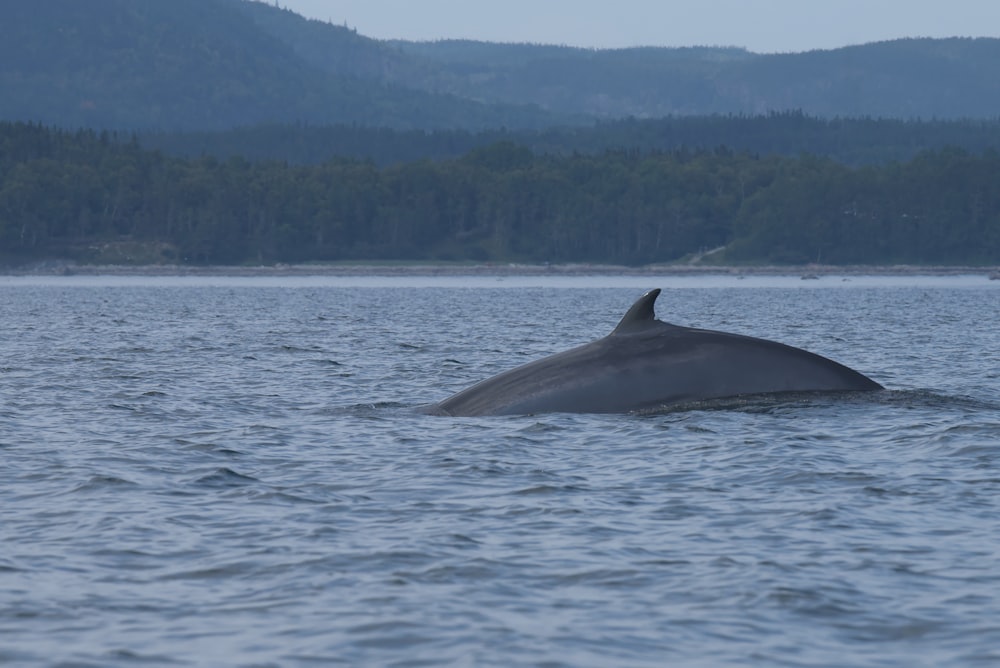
column 854, row 141
column 75, row 194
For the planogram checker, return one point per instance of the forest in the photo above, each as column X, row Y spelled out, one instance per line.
column 852, row 141
column 98, row 197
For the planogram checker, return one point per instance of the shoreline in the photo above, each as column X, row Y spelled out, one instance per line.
column 492, row 269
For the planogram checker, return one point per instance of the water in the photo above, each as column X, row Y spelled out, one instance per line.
column 230, row 472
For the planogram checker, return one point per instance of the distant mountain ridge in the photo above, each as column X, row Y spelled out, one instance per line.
column 905, row 78
column 221, row 64
column 196, row 64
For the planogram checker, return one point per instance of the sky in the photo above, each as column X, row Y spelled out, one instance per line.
column 763, row 26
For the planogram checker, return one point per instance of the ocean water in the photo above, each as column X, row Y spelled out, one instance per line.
column 233, row 472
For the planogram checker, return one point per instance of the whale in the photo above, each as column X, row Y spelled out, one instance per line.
column 645, row 365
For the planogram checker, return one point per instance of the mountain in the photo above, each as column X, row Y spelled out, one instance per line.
column 906, row 78
column 640, row 82
column 195, row 64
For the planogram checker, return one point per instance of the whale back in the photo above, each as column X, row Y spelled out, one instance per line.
column 645, row 364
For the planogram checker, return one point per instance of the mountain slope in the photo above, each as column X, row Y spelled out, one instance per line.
column 196, row 65
column 906, row 78
column 190, row 64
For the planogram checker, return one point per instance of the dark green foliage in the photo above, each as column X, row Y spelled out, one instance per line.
column 853, row 141
column 941, row 207
column 85, row 194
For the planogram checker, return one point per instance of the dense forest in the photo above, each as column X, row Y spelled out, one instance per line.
column 234, row 131
column 190, row 65
column 99, row 197
column 852, row 141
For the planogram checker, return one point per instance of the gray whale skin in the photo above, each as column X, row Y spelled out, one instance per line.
column 646, row 364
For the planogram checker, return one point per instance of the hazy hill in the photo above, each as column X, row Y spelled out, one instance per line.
column 906, row 78
column 220, row 64
column 333, row 48
column 195, row 64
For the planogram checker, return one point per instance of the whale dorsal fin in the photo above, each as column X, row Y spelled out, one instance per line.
column 641, row 313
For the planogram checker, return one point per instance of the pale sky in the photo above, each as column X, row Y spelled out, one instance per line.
column 760, row 25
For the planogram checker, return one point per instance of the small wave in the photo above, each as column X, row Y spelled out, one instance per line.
column 212, row 448
column 128, row 656
column 536, row 490
column 818, row 601
column 100, row 482
column 124, row 407
column 377, row 408
column 211, row 572
column 300, row 349
column 933, row 400
column 6, row 566
column 762, row 403
column 225, row 477
column 542, row 428
column 767, row 403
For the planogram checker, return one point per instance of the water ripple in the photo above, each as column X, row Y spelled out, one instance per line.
column 240, row 475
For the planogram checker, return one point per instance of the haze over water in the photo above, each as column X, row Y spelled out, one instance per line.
column 230, row 472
